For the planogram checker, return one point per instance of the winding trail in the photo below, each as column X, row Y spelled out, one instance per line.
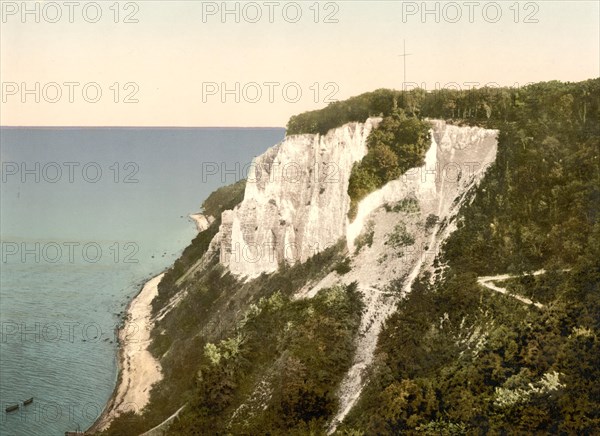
column 381, row 304
column 163, row 426
column 486, row 281
column 375, row 290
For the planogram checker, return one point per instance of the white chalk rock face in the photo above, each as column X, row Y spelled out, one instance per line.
column 296, row 201
column 456, row 160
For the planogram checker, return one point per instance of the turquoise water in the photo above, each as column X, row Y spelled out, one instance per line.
column 87, row 215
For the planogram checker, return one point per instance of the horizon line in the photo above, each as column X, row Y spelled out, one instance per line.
column 141, row 127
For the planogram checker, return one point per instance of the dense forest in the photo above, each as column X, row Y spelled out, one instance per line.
column 455, row 358
column 487, row 107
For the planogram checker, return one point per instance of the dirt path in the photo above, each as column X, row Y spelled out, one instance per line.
column 487, row 282
column 163, row 426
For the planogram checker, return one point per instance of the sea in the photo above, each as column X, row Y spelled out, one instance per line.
column 87, row 215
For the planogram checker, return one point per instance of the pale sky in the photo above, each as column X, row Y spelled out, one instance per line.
column 180, row 56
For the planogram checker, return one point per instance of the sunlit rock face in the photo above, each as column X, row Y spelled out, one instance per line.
column 296, row 201
column 456, row 160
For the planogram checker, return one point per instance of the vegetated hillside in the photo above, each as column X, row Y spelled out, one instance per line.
column 456, row 357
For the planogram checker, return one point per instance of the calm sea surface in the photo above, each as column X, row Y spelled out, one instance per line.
column 86, row 216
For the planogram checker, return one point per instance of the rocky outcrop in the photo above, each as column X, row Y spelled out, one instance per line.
column 457, row 158
column 295, row 203
column 202, row 221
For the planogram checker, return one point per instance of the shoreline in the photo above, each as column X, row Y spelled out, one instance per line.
column 139, row 322
column 137, row 369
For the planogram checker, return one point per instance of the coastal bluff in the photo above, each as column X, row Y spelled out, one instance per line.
column 295, row 202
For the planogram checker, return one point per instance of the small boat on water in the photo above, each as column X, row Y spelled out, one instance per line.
column 76, row 432
column 28, row 401
column 12, row 408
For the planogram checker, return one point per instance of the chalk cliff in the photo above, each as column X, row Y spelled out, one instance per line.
column 295, row 203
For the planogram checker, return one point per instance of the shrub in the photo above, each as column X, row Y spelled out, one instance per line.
column 400, row 238
column 431, row 221
column 365, row 238
column 408, row 205
column 343, row 267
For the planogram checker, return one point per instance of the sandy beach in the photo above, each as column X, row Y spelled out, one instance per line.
column 138, row 369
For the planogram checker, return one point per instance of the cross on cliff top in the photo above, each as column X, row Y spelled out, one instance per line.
column 403, row 56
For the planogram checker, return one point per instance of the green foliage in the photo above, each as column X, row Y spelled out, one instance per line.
column 407, row 137
column 377, row 103
column 362, row 182
column 303, row 382
column 538, row 202
column 431, row 221
column 406, row 205
column 191, row 254
column 224, row 198
column 442, row 428
column 382, row 162
column 571, row 103
column 396, row 145
column 457, row 358
column 167, row 288
column 214, row 310
column 130, row 423
column 343, row 267
column 365, row 238
column 399, row 237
